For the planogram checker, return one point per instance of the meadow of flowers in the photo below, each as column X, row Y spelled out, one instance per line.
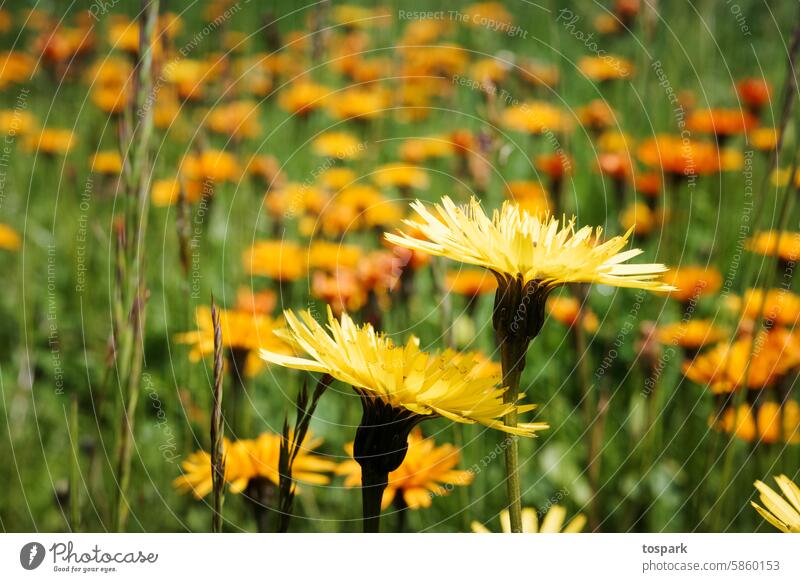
column 418, row 267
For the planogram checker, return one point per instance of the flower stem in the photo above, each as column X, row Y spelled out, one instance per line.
column 373, row 484
column 512, row 354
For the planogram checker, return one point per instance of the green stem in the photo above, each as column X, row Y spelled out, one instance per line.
column 373, row 484
column 512, row 354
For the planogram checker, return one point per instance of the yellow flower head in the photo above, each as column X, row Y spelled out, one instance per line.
column 785, row 245
column 248, row 459
column 782, row 512
column 404, row 377
column 9, row 238
column 280, row 260
column 338, row 144
column 514, row 244
column 242, row 331
column 553, row 522
column 420, row 478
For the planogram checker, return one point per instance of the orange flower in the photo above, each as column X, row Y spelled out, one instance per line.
column 647, row 183
column 615, row 165
column 723, row 367
column 772, row 423
column 421, row 476
column 693, row 282
column 755, row 93
column 342, row 290
column 677, row 156
column 721, row 122
column 568, row 310
column 779, row 306
column 693, row 334
column 597, row 115
column 605, row 68
column 555, row 166
column 785, row 245
column 470, row 283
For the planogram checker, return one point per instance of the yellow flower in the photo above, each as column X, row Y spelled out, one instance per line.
column 280, row 260
column 242, row 332
column 248, row 459
column 330, row 256
column 785, row 245
column 426, row 385
column 535, row 117
column 213, row 165
column 9, row 238
column 784, row 514
column 515, row 244
column 109, row 162
column 337, row 144
column 303, row 97
column 167, row 192
column 401, row 176
column 359, row 103
column 420, row 478
column 605, row 68
column 51, row 141
column 238, row 119
column 197, row 478
column 553, row 522
column 779, row 306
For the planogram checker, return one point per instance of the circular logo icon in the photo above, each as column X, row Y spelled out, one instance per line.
column 31, row 555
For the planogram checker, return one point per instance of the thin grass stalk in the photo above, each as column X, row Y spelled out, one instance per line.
column 291, row 442
column 130, row 295
column 217, row 426
column 128, row 421
column 75, row 468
